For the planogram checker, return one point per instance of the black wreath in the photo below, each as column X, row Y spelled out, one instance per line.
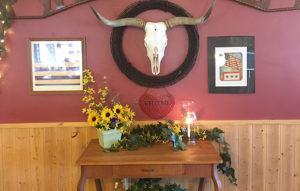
column 131, row 72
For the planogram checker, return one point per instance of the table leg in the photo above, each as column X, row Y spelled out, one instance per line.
column 201, row 184
column 98, row 184
column 215, row 178
column 80, row 186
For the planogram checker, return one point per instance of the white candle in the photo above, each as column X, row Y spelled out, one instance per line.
column 189, row 122
column 189, row 130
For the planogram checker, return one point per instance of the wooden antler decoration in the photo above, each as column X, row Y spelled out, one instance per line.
column 7, row 14
column 263, row 5
column 48, row 12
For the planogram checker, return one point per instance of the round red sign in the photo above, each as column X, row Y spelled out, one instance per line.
column 156, row 106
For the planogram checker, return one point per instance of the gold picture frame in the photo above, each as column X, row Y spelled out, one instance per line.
column 56, row 65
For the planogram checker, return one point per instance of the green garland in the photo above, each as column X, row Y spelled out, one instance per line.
column 166, row 132
column 216, row 135
column 147, row 135
column 5, row 6
column 153, row 184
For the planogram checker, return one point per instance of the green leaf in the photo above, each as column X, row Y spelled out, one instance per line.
column 143, row 137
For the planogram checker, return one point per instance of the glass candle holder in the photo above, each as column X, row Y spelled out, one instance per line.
column 189, row 118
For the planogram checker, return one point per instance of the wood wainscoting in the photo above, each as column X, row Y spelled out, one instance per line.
column 42, row 156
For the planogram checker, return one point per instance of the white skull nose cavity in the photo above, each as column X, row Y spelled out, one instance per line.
column 155, row 50
column 155, row 65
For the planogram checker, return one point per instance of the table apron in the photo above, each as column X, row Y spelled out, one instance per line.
column 150, row 171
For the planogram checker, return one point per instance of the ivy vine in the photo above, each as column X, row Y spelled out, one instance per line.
column 153, row 184
column 147, row 135
column 216, row 135
column 167, row 132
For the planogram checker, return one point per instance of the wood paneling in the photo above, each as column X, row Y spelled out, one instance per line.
column 258, row 157
column 78, row 145
column 22, row 145
column 1, row 161
column 231, row 136
column 42, row 156
column 37, row 160
column 9, row 157
column 245, row 157
column 297, row 160
column 50, row 157
column 287, row 159
column 272, row 158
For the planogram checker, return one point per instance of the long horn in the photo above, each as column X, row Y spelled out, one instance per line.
column 134, row 22
column 172, row 22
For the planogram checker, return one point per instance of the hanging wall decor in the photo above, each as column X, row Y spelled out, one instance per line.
column 7, row 14
column 154, row 31
column 157, row 105
column 231, row 64
column 264, row 5
column 56, row 65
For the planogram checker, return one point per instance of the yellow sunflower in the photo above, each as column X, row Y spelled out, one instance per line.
column 106, row 114
column 176, row 129
column 130, row 113
column 118, row 109
column 120, row 118
column 93, row 118
column 126, row 119
column 127, row 109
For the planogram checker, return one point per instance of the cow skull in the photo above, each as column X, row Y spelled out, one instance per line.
column 155, row 39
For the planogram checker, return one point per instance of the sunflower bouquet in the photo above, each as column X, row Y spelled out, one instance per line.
column 101, row 113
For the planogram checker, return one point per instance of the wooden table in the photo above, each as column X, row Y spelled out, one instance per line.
column 159, row 161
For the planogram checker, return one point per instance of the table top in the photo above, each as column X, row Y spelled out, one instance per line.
column 202, row 152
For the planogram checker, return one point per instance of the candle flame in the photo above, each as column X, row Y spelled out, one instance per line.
column 190, row 117
column 189, row 120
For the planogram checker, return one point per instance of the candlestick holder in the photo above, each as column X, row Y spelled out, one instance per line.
column 189, row 118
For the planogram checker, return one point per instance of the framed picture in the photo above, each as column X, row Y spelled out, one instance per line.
column 56, row 65
column 231, row 64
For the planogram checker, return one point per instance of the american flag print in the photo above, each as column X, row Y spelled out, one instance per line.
column 232, row 69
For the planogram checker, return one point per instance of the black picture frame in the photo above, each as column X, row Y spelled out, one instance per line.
column 245, row 78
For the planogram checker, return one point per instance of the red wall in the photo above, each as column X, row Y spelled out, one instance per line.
column 277, row 65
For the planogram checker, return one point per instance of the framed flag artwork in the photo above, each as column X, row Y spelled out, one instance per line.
column 231, row 64
column 56, row 65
